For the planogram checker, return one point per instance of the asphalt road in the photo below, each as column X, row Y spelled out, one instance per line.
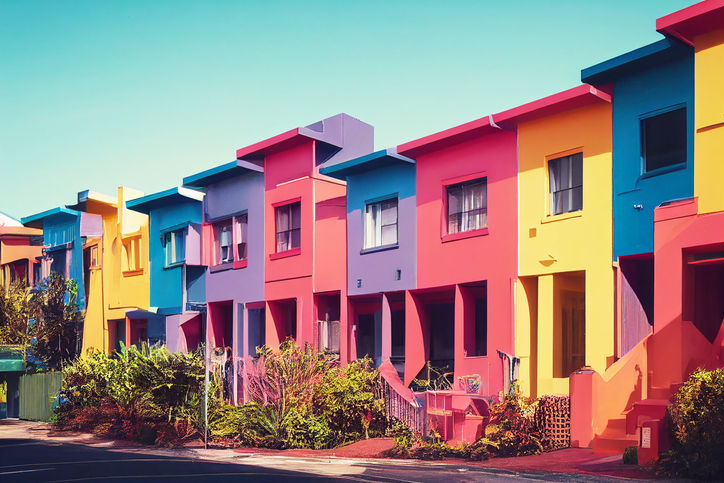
column 33, row 460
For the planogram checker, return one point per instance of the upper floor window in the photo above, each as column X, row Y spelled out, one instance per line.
column 174, row 246
column 565, row 176
column 663, row 140
column 467, row 206
column 231, row 239
column 224, row 245
column 381, row 223
column 132, row 251
column 288, row 226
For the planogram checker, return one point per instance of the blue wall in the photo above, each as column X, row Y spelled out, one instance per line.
column 662, row 86
column 64, row 228
column 167, row 283
column 376, row 270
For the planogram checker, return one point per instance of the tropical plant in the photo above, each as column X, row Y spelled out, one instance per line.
column 59, row 321
column 16, row 309
column 697, row 428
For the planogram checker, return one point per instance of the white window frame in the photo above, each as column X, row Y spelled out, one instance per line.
column 175, row 252
column 463, row 222
column 566, row 193
column 373, row 224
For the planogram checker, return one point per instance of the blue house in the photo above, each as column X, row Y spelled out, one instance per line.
column 381, row 211
column 653, row 163
column 178, row 289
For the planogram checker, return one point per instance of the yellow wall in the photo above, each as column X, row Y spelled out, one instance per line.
column 115, row 289
column 572, row 242
column 709, row 121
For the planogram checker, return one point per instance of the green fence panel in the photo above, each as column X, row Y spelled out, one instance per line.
column 37, row 393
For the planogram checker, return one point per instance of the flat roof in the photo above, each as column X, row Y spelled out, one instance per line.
column 168, row 197
column 691, row 21
column 220, row 173
column 579, row 96
column 36, row 221
column 634, row 61
column 384, row 157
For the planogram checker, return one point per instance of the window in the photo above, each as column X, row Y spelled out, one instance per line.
column 174, row 246
column 132, row 250
column 663, row 140
column 381, row 223
column 94, row 261
column 241, row 226
column 565, row 177
column 288, row 226
column 467, row 206
column 231, row 239
column 224, row 250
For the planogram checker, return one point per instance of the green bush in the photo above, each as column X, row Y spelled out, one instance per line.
column 697, row 428
column 631, row 456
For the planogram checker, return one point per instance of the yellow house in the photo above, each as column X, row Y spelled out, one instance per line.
column 116, row 272
column 565, row 292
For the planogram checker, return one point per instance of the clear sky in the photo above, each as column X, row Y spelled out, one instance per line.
column 102, row 93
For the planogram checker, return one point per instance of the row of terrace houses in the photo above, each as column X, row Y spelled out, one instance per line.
column 581, row 230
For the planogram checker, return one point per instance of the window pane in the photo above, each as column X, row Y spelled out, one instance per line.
column 282, row 241
column 389, row 212
column 370, row 225
column 664, row 139
column 577, row 199
column 296, row 239
column 282, row 215
column 389, row 234
column 577, row 169
column 241, row 251
column 454, row 199
column 453, row 223
column 296, row 209
column 180, row 251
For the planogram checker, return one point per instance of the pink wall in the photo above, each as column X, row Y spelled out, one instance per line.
column 489, row 256
column 468, row 259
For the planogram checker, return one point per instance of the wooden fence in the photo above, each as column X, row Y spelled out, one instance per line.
column 37, row 394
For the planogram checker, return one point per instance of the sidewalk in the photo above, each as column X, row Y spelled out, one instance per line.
column 567, row 461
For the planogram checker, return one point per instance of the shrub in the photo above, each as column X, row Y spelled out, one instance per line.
column 631, row 456
column 697, row 428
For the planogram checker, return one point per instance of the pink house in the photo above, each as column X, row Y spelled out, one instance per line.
column 461, row 312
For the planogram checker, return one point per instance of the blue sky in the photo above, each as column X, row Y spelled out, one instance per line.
column 98, row 94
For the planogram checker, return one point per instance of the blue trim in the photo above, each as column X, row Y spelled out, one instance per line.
column 226, row 217
column 55, row 211
column 634, row 61
column 377, row 199
column 169, row 311
column 378, row 159
column 220, row 173
column 150, row 202
column 664, row 170
column 179, row 226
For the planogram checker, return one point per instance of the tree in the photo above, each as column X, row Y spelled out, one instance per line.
column 58, row 321
column 15, row 311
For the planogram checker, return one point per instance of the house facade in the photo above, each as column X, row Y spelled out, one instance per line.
column 381, row 249
column 20, row 251
column 565, row 290
column 177, row 275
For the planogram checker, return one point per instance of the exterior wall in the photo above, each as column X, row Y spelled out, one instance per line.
column 167, row 284
column 679, row 232
column 376, row 270
column 17, row 247
column 664, row 85
column 554, row 244
column 330, row 233
column 709, row 123
column 224, row 199
column 444, row 264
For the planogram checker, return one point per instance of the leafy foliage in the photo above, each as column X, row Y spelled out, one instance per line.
column 147, row 394
column 697, row 428
column 16, row 309
column 59, row 321
column 512, row 430
column 631, row 455
column 300, row 398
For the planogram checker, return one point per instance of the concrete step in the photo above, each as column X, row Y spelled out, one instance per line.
column 643, row 411
column 614, row 439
